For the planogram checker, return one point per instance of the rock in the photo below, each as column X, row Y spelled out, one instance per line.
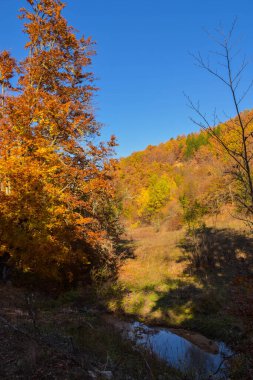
column 92, row 374
column 106, row 375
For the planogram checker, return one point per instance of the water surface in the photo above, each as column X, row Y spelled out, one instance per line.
column 179, row 352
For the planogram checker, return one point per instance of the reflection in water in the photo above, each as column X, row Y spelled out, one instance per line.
column 179, row 352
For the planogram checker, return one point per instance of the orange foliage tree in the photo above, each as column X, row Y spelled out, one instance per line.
column 56, row 195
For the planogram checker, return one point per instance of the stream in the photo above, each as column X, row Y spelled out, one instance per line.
column 189, row 352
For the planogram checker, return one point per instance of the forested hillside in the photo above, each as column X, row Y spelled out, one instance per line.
column 179, row 181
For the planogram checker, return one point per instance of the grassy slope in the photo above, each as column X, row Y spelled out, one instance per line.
column 161, row 286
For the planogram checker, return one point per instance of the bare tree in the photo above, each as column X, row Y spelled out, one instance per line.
column 235, row 137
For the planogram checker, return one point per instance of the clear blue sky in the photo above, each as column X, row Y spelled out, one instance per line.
column 143, row 64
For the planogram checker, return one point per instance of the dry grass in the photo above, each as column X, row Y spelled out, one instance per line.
column 155, row 271
column 226, row 219
column 161, row 286
column 155, row 260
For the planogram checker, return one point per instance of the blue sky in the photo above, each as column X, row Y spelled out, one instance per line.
column 143, row 64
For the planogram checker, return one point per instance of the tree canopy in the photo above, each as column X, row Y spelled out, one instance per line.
column 56, row 192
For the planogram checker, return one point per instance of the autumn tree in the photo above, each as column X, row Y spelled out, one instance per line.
column 152, row 199
column 150, row 183
column 234, row 137
column 56, row 194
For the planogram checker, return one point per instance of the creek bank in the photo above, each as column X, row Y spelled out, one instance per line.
column 190, row 352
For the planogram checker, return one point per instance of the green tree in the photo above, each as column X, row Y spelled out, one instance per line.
column 193, row 212
column 153, row 198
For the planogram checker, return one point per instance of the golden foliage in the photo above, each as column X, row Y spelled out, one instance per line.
column 54, row 180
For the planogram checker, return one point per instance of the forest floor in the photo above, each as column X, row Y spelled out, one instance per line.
column 65, row 338
column 162, row 285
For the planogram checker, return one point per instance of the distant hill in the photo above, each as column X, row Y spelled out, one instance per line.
column 175, row 181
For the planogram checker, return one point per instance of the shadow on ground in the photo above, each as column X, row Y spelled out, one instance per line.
column 221, row 294
column 217, row 256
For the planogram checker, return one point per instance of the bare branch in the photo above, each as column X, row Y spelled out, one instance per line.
column 241, row 69
column 245, row 92
column 211, row 131
column 206, row 66
column 240, row 144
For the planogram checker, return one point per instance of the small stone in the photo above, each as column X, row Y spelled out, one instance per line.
column 92, row 375
column 108, row 375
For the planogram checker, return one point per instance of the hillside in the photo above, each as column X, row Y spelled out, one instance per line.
column 183, row 176
column 191, row 264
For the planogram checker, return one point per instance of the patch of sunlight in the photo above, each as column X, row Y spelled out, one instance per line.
column 112, row 305
column 179, row 314
column 145, row 306
column 162, row 288
column 153, row 297
column 158, row 315
column 139, row 303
